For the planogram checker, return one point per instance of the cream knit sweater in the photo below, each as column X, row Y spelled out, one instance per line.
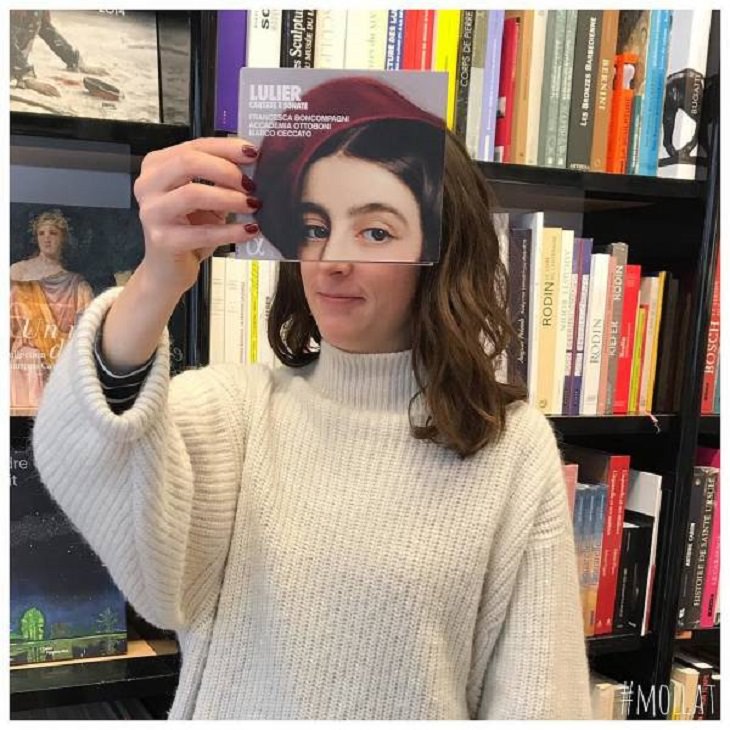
column 315, row 560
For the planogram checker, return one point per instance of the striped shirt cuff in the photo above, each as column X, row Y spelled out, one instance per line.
column 120, row 389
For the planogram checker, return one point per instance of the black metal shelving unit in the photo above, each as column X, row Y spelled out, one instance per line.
column 668, row 223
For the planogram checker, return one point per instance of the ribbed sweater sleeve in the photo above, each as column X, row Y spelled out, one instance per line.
column 153, row 490
column 531, row 638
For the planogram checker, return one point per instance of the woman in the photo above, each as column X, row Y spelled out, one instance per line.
column 379, row 530
column 45, row 302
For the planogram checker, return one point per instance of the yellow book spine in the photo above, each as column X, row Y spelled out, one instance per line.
column 548, row 314
column 446, row 54
column 655, row 342
column 636, row 360
column 253, row 313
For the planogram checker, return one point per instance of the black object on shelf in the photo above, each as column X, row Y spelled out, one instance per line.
column 710, row 425
column 140, row 136
column 613, row 425
column 612, row 643
column 68, row 684
column 634, row 187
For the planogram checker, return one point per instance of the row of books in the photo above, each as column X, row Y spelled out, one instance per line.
column 699, row 598
column 711, row 377
column 596, row 335
column 240, row 299
column 588, row 90
column 616, row 512
column 693, row 693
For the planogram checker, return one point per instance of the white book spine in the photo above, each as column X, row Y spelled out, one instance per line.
column 476, row 82
column 329, row 39
column 267, row 278
column 233, row 309
column 594, row 334
column 565, row 313
column 216, row 332
column 367, row 33
column 535, row 222
column 263, row 47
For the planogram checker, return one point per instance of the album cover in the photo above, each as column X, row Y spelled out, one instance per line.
column 101, row 64
column 350, row 163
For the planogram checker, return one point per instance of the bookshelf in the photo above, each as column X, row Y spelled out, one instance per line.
column 674, row 224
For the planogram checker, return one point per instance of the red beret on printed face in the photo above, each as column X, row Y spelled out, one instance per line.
column 282, row 160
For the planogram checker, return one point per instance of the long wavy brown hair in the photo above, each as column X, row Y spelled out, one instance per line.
column 459, row 326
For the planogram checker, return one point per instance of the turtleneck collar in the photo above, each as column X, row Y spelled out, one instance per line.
column 370, row 381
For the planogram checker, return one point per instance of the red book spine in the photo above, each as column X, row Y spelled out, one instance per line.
column 618, row 485
column 505, row 102
column 632, row 284
column 410, row 35
column 427, row 28
column 713, row 344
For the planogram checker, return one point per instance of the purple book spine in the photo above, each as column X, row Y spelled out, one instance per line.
column 394, row 45
column 491, row 85
column 577, row 383
column 576, row 280
column 230, row 58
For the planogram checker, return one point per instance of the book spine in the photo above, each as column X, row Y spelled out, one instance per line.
column 252, row 319
column 264, row 38
column 554, row 43
column 393, row 39
column 604, row 89
column 519, row 273
column 656, row 71
column 564, row 314
column 640, row 570
column 632, row 280
column 667, row 354
column 233, row 307
column 594, row 334
column 579, row 360
column 709, row 377
column 575, row 287
column 596, row 544
column 463, row 78
column 476, row 83
column 507, row 68
column 620, row 252
column 547, row 306
column 689, row 566
column 520, row 105
column 329, row 40
column 410, row 32
column 620, row 121
column 704, row 530
column 230, row 58
column 625, row 578
column 445, row 55
column 709, row 594
column 607, row 315
column 658, row 298
column 618, row 483
column 637, row 357
column 566, row 86
column 586, row 554
column 427, row 31
column 491, row 84
column 684, row 88
column 580, row 509
column 632, row 155
column 535, row 88
column 583, row 94
column 648, row 298
column 216, row 339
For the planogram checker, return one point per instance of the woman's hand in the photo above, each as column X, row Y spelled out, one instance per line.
column 183, row 219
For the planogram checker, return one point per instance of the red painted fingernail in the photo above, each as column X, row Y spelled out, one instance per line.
column 248, row 184
column 251, row 228
column 254, row 203
column 249, row 151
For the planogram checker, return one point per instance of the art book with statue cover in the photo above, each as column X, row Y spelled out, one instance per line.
column 350, row 164
column 61, row 257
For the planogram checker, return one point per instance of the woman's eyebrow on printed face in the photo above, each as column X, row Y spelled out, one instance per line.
column 376, row 208
column 308, row 206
